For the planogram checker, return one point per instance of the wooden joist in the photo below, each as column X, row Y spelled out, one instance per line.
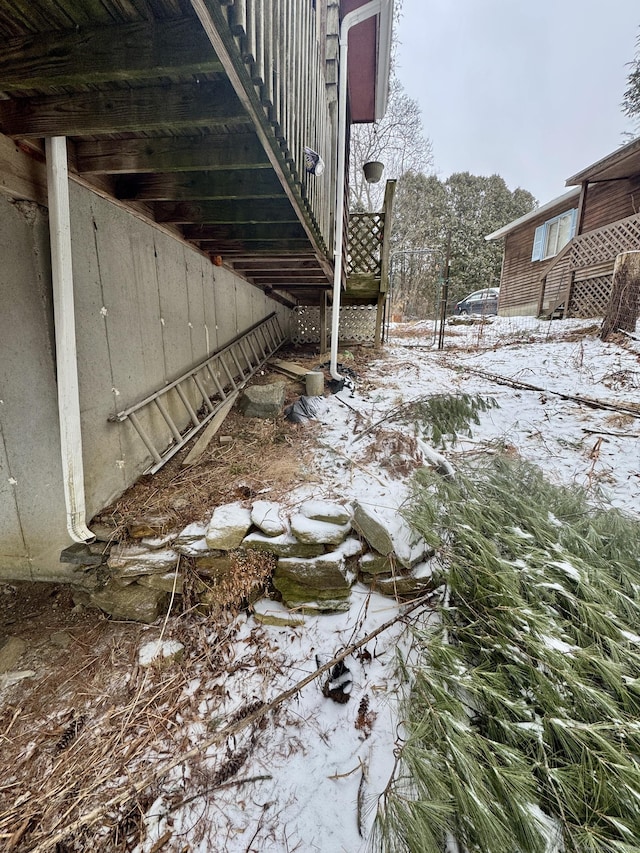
column 229, row 247
column 264, row 231
column 187, row 186
column 125, row 52
column 171, row 154
column 147, row 108
column 226, row 211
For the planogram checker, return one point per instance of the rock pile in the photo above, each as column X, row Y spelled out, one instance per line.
column 320, row 551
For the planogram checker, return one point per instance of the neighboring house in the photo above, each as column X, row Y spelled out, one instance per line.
column 559, row 258
column 193, row 215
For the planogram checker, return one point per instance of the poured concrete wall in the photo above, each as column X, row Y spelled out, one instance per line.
column 147, row 309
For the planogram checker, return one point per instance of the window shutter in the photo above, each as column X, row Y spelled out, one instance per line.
column 538, row 243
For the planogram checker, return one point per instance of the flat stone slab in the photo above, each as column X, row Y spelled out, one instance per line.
column 135, row 602
column 311, row 531
column 191, row 541
column 299, row 596
column 167, row 582
column 10, row 653
column 262, row 401
column 388, row 533
column 82, row 554
column 320, row 573
column 266, row 516
column 375, row 564
column 273, row 613
column 282, row 546
column 330, row 511
column 216, row 565
column 133, row 560
column 415, row 582
column 229, row 525
column 351, row 547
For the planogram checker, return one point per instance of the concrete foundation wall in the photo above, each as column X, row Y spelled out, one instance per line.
column 147, row 309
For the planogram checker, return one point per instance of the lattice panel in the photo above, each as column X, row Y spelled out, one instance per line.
column 590, row 298
column 357, row 324
column 604, row 244
column 305, row 325
column 366, row 231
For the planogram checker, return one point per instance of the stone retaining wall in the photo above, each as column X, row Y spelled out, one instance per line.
column 319, row 552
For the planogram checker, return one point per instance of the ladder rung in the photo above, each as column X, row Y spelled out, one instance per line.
column 246, row 357
column 252, row 348
column 165, row 414
column 216, row 381
column 224, row 364
column 194, row 418
column 203, row 391
column 236, row 362
column 143, row 435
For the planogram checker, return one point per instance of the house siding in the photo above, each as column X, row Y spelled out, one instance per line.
column 607, row 202
column 148, row 307
column 520, row 280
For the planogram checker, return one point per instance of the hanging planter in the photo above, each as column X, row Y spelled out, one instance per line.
column 373, row 171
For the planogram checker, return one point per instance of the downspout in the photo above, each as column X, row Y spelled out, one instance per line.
column 65, row 336
column 374, row 7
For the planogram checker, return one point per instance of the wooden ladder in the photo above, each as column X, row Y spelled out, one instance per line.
column 226, row 371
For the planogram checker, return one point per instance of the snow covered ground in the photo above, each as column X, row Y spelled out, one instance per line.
column 315, row 771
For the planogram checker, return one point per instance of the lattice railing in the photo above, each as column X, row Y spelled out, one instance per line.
column 603, row 244
column 366, row 233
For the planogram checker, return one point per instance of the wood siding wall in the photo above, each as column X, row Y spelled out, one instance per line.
column 609, row 201
column 520, row 282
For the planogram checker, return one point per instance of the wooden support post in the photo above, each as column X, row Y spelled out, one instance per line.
column 377, row 340
column 624, row 303
column 567, row 294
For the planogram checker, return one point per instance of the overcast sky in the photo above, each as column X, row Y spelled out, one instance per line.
column 528, row 90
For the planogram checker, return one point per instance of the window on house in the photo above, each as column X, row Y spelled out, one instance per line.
column 554, row 235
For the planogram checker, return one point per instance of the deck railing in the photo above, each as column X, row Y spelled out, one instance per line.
column 586, row 262
column 283, row 46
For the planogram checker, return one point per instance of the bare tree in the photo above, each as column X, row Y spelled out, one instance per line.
column 397, row 140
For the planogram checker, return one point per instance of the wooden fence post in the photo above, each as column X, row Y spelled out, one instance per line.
column 624, row 302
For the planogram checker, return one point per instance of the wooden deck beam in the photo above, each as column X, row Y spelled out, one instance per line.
column 189, row 186
column 148, row 108
column 171, row 154
column 204, row 234
column 125, row 52
column 247, row 211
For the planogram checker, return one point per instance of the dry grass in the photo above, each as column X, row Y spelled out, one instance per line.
column 394, row 451
column 70, row 741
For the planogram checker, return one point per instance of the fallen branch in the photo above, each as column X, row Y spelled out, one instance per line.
column 526, row 386
column 611, row 432
column 232, row 729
